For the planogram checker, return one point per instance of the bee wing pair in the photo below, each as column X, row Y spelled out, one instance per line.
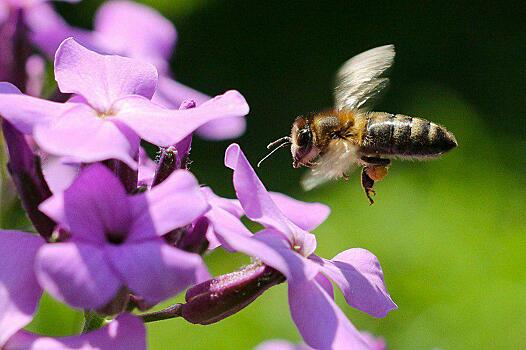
column 359, row 83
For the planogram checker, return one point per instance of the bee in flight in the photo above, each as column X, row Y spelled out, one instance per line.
column 334, row 142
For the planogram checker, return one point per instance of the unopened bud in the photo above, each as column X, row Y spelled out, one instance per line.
column 166, row 164
column 26, row 170
column 194, row 240
column 223, row 296
column 117, row 305
column 127, row 175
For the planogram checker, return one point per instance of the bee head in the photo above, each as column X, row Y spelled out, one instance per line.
column 302, row 147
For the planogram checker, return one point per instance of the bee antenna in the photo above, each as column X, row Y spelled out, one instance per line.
column 287, row 142
column 278, row 142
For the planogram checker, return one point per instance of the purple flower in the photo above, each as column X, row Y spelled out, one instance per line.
column 119, row 29
column 15, row 47
column 19, row 289
column 116, row 240
column 288, row 248
column 281, row 345
column 126, row 332
column 19, row 296
column 24, row 168
column 113, row 109
column 372, row 342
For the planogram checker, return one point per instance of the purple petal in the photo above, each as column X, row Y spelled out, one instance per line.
column 146, row 169
column 77, row 274
column 25, row 112
column 58, row 172
column 174, row 203
column 259, row 206
column 35, row 71
column 123, row 23
column 48, row 29
column 126, row 332
column 278, row 251
column 226, row 228
column 95, row 205
column 375, row 343
column 306, row 215
column 171, row 94
column 320, row 321
column 101, row 79
column 19, row 289
column 8, row 88
column 268, row 245
column 252, row 194
column 324, row 283
column 231, row 205
column 165, row 127
column 359, row 275
column 156, row 271
column 228, row 128
column 79, row 133
column 281, row 345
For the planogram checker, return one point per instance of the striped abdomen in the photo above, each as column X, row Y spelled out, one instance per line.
column 403, row 136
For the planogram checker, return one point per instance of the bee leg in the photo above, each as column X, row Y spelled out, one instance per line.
column 372, row 173
column 367, row 185
column 311, row 164
column 376, row 161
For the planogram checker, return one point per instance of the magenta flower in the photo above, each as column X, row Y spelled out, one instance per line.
column 288, row 248
column 113, row 109
column 119, row 29
column 372, row 342
column 126, row 332
column 19, row 296
column 281, row 345
column 19, row 288
column 116, row 240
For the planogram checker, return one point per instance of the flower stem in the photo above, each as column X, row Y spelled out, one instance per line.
column 170, row 312
column 92, row 321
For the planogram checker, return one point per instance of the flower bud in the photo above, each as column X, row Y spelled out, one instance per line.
column 117, row 305
column 223, row 296
column 128, row 176
column 166, row 165
column 194, row 240
column 174, row 157
column 26, row 171
column 14, row 48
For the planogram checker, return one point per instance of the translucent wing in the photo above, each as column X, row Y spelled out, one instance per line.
column 360, row 79
column 339, row 160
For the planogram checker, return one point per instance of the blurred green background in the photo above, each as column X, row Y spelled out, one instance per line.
column 450, row 234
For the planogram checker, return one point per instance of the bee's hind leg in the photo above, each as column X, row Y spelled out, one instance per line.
column 367, row 185
column 375, row 169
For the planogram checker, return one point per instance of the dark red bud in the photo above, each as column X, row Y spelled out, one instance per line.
column 194, row 240
column 26, row 171
column 223, row 296
column 117, row 305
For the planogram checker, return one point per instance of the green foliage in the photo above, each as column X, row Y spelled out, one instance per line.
column 450, row 233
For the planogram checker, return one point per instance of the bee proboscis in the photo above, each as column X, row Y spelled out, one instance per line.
column 335, row 142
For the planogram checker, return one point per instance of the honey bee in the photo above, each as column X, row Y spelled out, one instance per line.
column 335, row 142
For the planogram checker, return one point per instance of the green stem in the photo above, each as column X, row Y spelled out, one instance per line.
column 92, row 321
column 170, row 312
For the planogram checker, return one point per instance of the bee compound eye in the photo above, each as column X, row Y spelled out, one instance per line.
column 304, row 137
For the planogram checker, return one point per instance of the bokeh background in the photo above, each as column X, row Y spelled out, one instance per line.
column 450, row 234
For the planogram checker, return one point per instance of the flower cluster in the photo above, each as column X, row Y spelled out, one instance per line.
column 118, row 233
